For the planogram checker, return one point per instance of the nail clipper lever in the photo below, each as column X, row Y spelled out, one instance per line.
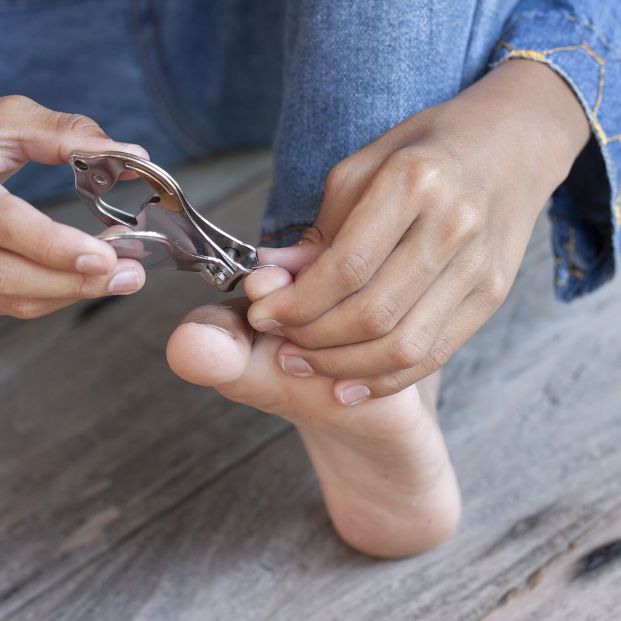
column 167, row 232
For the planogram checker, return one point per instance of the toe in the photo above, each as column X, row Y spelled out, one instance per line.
column 212, row 345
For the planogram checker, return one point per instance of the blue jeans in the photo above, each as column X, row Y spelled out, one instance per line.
column 317, row 79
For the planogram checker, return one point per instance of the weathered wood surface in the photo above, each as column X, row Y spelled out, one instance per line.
column 128, row 495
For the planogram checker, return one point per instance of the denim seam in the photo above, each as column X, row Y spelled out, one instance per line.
column 266, row 237
column 546, row 57
column 542, row 56
column 617, row 208
column 166, row 117
column 603, row 139
column 177, row 101
column 572, row 18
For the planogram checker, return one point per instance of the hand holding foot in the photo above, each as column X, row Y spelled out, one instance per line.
column 382, row 464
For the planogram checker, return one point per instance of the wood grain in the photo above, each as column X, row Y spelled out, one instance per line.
column 127, row 495
column 98, row 436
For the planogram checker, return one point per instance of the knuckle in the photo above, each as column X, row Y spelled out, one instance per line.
column 48, row 249
column 86, row 288
column 298, row 311
column 15, row 103
column 464, row 223
column 415, row 168
column 21, row 308
column 496, row 288
column 477, row 261
column 8, row 208
column 5, row 220
column 379, row 318
column 77, row 123
column 339, row 177
column 326, row 364
column 353, row 270
column 408, row 350
column 307, row 337
column 427, row 261
column 390, row 384
column 7, row 279
column 439, row 354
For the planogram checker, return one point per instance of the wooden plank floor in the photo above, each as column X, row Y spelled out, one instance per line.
column 126, row 494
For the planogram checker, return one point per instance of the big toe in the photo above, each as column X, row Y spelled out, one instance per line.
column 212, row 345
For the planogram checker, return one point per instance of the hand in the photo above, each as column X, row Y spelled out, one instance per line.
column 44, row 265
column 421, row 233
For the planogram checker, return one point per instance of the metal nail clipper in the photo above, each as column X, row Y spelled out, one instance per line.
column 167, row 232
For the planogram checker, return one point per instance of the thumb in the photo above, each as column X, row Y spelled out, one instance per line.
column 49, row 137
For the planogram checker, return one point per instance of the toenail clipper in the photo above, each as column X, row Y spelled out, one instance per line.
column 167, row 232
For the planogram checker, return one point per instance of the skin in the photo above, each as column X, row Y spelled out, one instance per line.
column 384, row 470
column 419, row 238
column 45, row 266
column 421, row 233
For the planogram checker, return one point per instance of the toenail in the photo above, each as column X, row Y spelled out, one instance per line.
column 265, row 325
column 354, row 394
column 294, row 365
column 215, row 327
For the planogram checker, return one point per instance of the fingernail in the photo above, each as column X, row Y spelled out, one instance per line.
column 124, row 282
column 355, row 394
column 92, row 264
column 294, row 365
column 265, row 325
column 136, row 149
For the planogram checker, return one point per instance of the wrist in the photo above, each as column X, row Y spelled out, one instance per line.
column 563, row 121
column 533, row 120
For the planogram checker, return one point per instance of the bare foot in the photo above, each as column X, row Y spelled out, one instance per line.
column 382, row 464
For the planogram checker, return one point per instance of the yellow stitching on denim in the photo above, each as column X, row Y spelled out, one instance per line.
column 570, row 249
column 599, row 130
column 542, row 56
column 600, row 92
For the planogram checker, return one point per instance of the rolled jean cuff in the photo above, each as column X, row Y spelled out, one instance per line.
column 586, row 209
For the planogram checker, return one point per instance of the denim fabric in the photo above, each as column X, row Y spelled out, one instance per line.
column 321, row 79
column 581, row 40
column 183, row 79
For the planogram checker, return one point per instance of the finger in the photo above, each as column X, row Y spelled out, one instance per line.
column 20, row 277
column 469, row 318
column 292, row 258
column 378, row 307
column 212, row 345
column 31, row 308
column 405, row 347
column 26, row 231
column 49, row 137
column 371, row 231
column 264, row 281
